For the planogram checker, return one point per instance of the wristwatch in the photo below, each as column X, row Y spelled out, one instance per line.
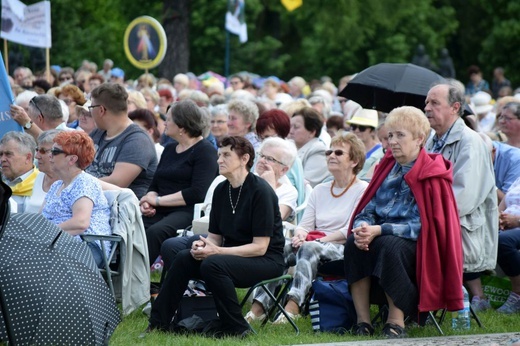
column 28, row 125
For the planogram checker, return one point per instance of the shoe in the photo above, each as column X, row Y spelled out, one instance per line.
column 394, row 331
column 147, row 309
column 480, row 304
column 362, row 329
column 250, row 317
column 512, row 304
column 281, row 319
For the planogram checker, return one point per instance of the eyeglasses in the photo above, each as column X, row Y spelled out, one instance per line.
column 64, row 78
column 506, row 119
column 43, row 151
column 94, row 106
column 57, row 151
column 270, row 159
column 337, row 152
column 35, row 105
column 361, row 128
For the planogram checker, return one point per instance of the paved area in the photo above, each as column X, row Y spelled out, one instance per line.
column 479, row 339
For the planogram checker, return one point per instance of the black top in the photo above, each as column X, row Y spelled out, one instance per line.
column 191, row 172
column 257, row 214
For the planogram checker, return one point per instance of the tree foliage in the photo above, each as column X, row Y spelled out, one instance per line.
column 322, row 37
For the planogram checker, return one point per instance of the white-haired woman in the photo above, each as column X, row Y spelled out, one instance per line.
column 242, row 120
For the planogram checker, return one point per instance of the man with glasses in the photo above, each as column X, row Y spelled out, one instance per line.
column 44, row 113
column 473, row 184
column 18, row 171
column 125, row 154
column 509, row 123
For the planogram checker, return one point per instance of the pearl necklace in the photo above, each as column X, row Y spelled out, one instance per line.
column 238, row 199
column 344, row 191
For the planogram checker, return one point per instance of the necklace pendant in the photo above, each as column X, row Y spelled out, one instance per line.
column 233, row 212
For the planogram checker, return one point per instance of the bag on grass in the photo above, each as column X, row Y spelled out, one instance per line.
column 331, row 307
column 496, row 289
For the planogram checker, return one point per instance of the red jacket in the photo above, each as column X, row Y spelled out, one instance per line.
column 439, row 246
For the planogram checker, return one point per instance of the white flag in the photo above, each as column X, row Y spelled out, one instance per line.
column 235, row 19
column 27, row 25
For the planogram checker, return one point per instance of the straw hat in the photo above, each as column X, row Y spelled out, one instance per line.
column 365, row 117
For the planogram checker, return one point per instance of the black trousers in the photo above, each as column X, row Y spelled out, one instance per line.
column 221, row 273
column 163, row 226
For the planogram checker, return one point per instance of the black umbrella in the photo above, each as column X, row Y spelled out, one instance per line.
column 54, row 294
column 386, row 86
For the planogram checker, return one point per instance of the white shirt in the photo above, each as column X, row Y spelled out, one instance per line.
column 329, row 214
column 35, row 202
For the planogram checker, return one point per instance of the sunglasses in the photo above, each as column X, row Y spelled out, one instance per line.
column 361, row 128
column 57, row 151
column 35, row 105
column 337, row 152
column 43, row 151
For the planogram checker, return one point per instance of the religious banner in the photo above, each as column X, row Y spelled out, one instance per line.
column 145, row 42
column 27, row 25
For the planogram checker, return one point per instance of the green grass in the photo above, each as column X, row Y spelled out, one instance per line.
column 128, row 331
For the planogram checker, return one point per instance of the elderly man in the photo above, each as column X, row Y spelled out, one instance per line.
column 18, row 171
column 509, row 123
column 473, row 184
column 44, row 113
column 125, row 154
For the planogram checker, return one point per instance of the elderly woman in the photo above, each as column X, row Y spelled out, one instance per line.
column 219, row 120
column 306, row 127
column 47, row 176
column 509, row 244
column 328, row 211
column 76, row 202
column 242, row 120
column 186, row 170
column 405, row 237
column 86, row 122
column 276, row 123
column 242, row 248
column 72, row 96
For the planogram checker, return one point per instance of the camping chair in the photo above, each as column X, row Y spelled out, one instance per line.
column 285, row 281
column 126, row 267
column 283, row 286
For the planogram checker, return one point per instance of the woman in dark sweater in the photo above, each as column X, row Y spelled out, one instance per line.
column 244, row 245
column 186, row 170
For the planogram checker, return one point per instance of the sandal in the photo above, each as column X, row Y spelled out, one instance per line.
column 394, row 331
column 363, row 329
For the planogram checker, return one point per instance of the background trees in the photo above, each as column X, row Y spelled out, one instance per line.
column 322, row 37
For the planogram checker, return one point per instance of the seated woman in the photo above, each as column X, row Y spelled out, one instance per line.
column 509, row 246
column 405, row 236
column 47, row 176
column 329, row 210
column 306, row 127
column 76, row 203
column 242, row 116
column 186, row 170
column 276, row 123
column 244, row 245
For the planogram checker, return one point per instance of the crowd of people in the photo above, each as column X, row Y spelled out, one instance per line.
column 417, row 203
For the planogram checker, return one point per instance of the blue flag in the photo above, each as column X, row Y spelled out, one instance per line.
column 6, row 99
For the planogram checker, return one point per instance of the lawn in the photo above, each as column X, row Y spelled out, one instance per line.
column 128, row 332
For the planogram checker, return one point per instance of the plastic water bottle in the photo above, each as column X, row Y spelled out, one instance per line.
column 460, row 319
